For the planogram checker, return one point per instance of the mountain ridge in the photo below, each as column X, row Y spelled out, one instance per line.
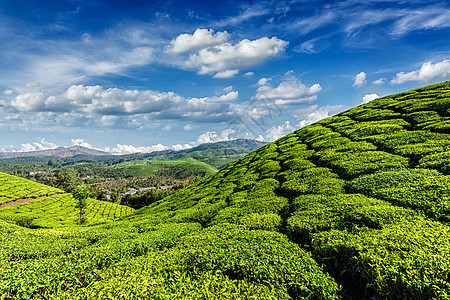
column 58, row 152
column 80, row 150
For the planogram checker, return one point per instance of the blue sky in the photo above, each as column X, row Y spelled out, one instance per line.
column 130, row 76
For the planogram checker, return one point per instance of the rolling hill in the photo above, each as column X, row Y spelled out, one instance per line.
column 355, row 206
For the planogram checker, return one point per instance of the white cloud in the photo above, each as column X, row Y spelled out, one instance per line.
column 263, row 81
column 188, row 127
column 42, row 144
column 8, row 92
column 249, row 74
column 360, row 79
column 226, row 74
column 179, row 147
column 29, row 102
column 91, row 101
column 130, row 149
column 228, row 57
column 314, row 113
column 32, row 84
column 369, row 97
column 427, row 72
column 228, row 89
column 290, row 91
column 279, row 131
column 379, row 81
column 80, row 142
column 424, row 19
column 201, row 38
column 213, row 137
column 108, row 120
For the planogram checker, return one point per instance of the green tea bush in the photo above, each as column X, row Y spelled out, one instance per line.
column 364, row 114
column 258, row 256
column 364, row 129
column 439, row 161
column 350, row 165
column 257, row 221
column 313, row 181
column 406, row 259
column 422, row 189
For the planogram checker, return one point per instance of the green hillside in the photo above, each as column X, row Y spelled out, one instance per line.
column 355, row 206
column 51, row 207
column 60, row 211
column 173, row 168
column 13, row 188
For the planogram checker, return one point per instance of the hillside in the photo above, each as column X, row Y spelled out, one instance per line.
column 173, row 168
column 58, row 152
column 355, row 206
column 13, row 188
column 49, row 207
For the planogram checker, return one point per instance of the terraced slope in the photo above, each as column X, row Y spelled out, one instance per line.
column 13, row 188
column 355, row 206
column 60, row 211
column 367, row 192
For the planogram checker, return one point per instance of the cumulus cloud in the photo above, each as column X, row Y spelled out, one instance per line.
column 379, row 81
column 207, row 137
column 263, row 81
column 201, row 38
column 369, row 97
column 130, row 149
column 41, row 144
column 179, row 147
column 249, row 74
column 228, row 57
column 80, row 142
column 360, row 79
column 8, row 92
column 290, row 91
column 427, row 72
column 29, row 102
column 314, row 113
column 226, row 74
column 112, row 102
column 279, row 131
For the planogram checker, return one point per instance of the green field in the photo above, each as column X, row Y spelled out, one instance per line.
column 356, row 206
column 176, row 168
column 58, row 211
column 14, row 188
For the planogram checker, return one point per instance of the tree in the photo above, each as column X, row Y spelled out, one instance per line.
column 81, row 193
column 66, row 180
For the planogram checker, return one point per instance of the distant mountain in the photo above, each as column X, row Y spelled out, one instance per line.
column 60, row 152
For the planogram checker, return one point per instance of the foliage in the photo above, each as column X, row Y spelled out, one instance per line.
column 81, row 194
column 13, row 188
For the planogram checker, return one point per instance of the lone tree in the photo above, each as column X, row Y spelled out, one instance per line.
column 81, row 193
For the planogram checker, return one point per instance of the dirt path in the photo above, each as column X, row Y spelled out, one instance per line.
column 24, row 200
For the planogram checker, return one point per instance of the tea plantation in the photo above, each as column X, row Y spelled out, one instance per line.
column 13, row 188
column 356, row 206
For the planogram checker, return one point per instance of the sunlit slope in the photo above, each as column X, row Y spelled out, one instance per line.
column 60, row 211
column 53, row 207
column 13, row 188
column 367, row 192
column 353, row 206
